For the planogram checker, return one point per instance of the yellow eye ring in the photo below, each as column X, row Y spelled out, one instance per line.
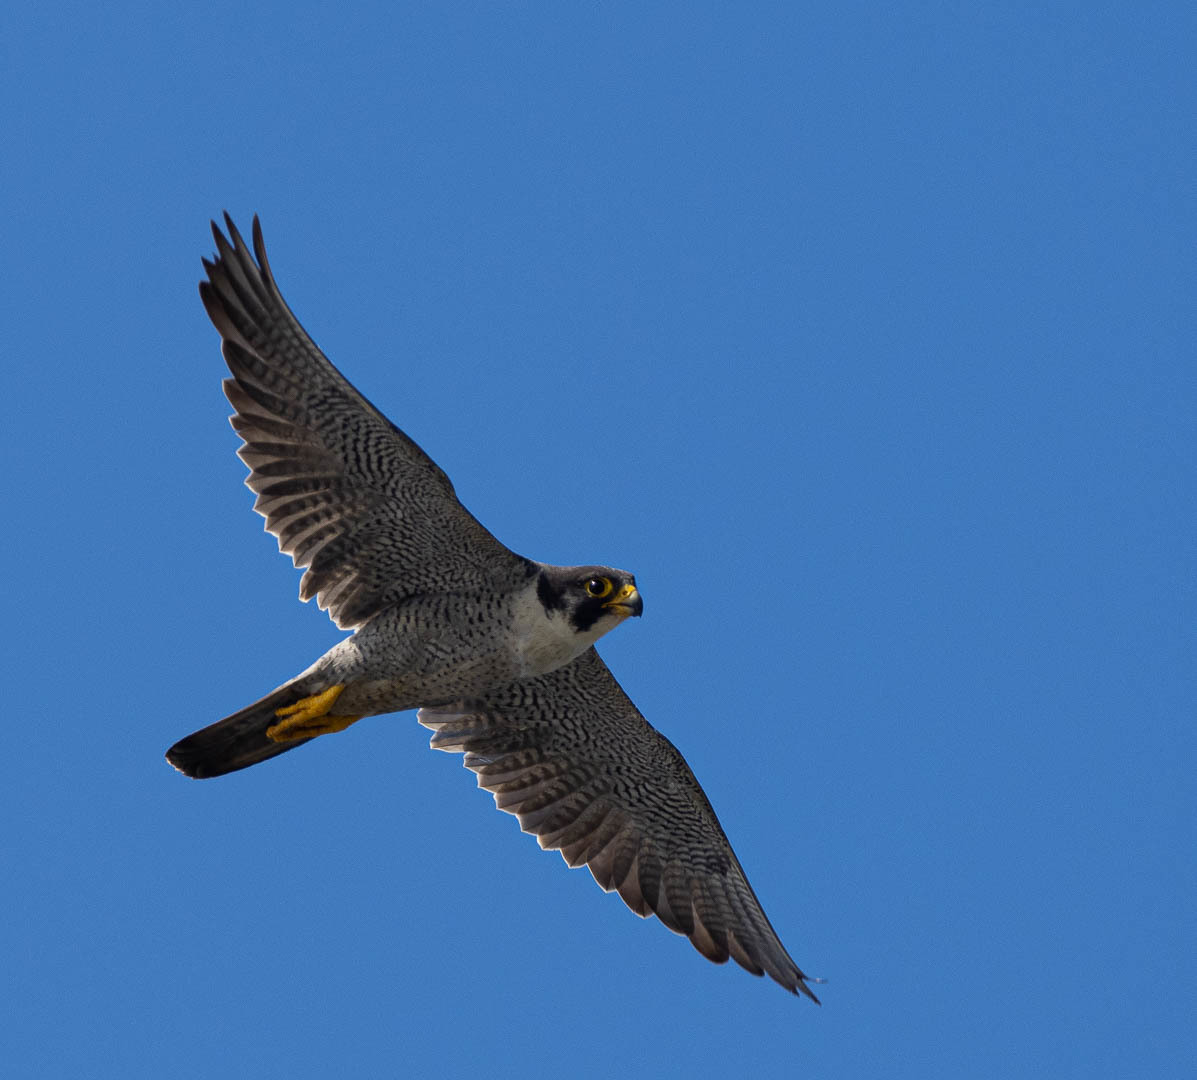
column 598, row 587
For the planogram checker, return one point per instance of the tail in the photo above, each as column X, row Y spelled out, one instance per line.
column 240, row 740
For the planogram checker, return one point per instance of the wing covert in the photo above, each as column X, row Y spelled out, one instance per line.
column 348, row 495
column 574, row 760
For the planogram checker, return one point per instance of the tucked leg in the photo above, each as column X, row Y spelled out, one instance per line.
column 309, row 717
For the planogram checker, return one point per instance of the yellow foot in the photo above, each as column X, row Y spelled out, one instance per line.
column 309, row 717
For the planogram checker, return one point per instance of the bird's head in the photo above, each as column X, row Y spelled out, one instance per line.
column 594, row 599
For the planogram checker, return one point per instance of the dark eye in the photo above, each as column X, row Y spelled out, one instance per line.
column 598, row 587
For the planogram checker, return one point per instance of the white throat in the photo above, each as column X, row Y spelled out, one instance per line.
column 545, row 641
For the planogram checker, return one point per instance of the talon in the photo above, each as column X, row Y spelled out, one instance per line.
column 308, row 717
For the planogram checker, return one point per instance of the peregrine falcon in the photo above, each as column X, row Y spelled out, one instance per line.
column 496, row 651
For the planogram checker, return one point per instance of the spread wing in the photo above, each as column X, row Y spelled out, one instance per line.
column 570, row 756
column 347, row 494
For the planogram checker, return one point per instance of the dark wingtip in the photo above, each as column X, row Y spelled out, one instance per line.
column 260, row 252
column 806, row 990
column 233, row 234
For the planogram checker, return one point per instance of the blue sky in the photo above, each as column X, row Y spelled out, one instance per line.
column 864, row 337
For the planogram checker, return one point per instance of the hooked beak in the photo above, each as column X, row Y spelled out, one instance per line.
column 625, row 602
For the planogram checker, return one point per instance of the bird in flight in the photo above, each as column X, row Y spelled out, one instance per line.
column 496, row 651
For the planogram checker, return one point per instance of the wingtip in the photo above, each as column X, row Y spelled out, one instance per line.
column 260, row 251
column 233, row 233
column 803, row 989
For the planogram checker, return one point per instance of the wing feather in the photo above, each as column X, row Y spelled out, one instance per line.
column 571, row 757
column 348, row 495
